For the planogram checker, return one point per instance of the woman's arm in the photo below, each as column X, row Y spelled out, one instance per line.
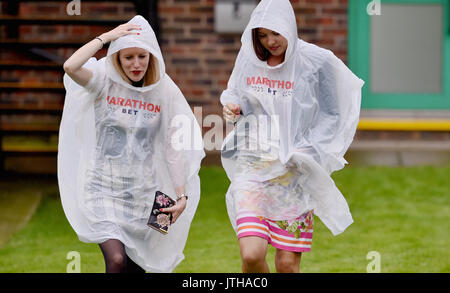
column 176, row 165
column 339, row 99
column 73, row 65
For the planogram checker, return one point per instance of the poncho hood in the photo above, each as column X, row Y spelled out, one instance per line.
column 145, row 40
column 275, row 15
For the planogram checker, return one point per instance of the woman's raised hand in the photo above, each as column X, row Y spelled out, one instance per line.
column 120, row 31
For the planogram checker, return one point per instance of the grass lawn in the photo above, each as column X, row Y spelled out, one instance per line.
column 402, row 213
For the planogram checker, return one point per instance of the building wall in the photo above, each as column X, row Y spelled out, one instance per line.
column 199, row 60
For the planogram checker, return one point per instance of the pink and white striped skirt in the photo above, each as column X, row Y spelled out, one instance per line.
column 295, row 236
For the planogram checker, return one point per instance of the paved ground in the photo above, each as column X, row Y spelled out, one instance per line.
column 399, row 153
column 384, row 153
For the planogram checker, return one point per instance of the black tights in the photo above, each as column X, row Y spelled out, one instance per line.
column 116, row 260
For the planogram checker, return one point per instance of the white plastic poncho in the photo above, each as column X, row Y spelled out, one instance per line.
column 118, row 145
column 299, row 118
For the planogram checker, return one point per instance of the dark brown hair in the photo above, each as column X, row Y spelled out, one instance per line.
column 261, row 52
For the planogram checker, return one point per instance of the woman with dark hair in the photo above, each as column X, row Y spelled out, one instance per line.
column 295, row 107
column 116, row 149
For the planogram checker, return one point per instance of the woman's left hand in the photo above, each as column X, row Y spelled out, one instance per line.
column 177, row 209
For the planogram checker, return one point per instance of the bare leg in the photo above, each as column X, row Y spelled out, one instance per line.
column 287, row 261
column 253, row 254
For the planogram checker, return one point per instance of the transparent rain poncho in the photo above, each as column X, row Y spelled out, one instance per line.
column 299, row 118
column 118, row 145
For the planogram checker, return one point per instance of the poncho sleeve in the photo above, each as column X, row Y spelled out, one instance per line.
column 231, row 93
column 76, row 143
column 339, row 99
column 97, row 82
column 184, row 148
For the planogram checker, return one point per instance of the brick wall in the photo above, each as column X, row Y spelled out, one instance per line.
column 199, row 60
